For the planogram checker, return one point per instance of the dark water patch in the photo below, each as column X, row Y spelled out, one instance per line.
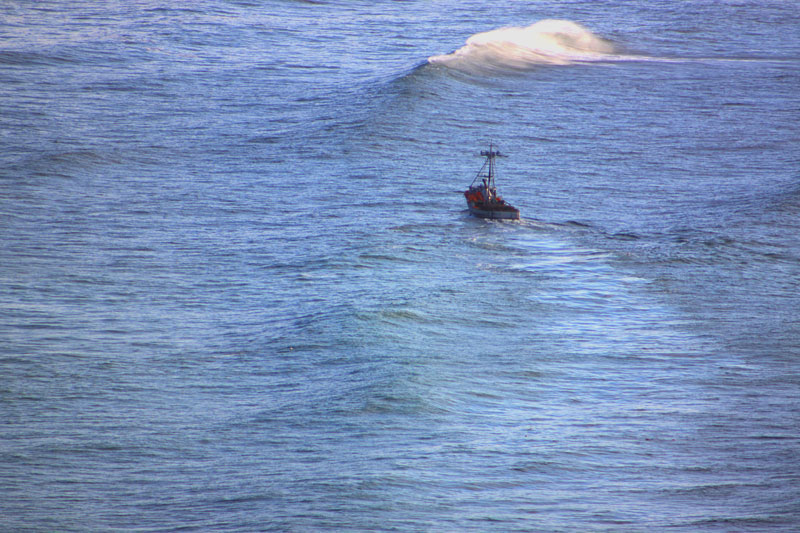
column 28, row 58
column 577, row 224
column 625, row 236
column 267, row 139
column 746, row 523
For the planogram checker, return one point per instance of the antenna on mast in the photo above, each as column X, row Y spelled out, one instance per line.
column 491, row 152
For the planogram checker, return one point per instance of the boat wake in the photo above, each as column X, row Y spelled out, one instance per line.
column 547, row 42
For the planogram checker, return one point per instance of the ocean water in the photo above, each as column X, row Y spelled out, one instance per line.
column 240, row 291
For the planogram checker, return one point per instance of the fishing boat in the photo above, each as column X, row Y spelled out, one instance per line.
column 482, row 198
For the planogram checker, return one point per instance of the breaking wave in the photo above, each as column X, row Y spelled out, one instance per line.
column 547, row 42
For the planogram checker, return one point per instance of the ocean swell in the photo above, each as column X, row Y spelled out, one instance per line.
column 547, row 42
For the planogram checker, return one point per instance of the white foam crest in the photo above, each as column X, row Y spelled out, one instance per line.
column 547, row 42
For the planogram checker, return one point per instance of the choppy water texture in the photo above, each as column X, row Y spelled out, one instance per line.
column 239, row 289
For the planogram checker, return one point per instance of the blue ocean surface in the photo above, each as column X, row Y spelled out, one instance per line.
column 240, row 289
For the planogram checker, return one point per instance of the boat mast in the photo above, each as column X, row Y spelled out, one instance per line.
column 490, row 155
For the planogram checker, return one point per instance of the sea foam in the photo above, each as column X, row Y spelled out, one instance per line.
column 547, row 42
